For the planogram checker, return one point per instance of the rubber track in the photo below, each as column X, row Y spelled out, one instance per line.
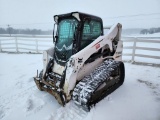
column 89, row 84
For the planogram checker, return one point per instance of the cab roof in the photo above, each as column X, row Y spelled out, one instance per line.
column 81, row 16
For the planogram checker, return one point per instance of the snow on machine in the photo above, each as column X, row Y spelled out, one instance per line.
column 84, row 64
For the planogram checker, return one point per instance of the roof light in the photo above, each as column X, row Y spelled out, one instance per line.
column 76, row 15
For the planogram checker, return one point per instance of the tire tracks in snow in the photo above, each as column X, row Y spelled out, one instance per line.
column 5, row 101
column 8, row 99
column 154, row 87
column 69, row 112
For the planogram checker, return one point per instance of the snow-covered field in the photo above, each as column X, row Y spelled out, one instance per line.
column 145, row 35
column 137, row 99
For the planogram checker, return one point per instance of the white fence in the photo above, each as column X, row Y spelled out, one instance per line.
column 36, row 44
column 142, row 47
column 32, row 44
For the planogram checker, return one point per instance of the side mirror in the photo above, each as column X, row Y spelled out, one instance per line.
column 55, row 32
column 55, row 37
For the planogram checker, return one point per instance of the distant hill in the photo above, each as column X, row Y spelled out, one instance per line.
column 131, row 31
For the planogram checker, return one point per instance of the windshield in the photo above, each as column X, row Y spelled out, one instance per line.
column 66, row 31
column 64, row 42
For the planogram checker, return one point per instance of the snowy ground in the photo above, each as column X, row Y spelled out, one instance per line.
column 137, row 99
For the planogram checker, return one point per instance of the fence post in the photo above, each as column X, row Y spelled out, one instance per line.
column 0, row 47
column 36, row 45
column 16, row 41
column 134, row 50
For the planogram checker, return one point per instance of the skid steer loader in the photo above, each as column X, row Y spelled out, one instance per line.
column 84, row 64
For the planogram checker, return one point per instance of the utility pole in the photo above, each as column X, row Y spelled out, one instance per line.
column 9, row 30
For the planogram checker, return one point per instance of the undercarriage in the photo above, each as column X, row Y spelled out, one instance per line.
column 102, row 81
column 92, row 88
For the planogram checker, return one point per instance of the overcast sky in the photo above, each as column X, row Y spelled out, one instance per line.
column 39, row 13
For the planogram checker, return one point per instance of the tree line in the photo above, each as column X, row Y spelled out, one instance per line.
column 150, row 31
column 11, row 30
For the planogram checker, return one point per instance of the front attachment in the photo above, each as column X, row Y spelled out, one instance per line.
column 46, row 86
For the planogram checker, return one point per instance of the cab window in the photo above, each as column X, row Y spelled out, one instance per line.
column 91, row 31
